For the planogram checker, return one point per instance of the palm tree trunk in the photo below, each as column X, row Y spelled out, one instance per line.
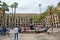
column 3, row 17
column 15, row 11
column 51, row 22
column 12, row 10
column 14, row 16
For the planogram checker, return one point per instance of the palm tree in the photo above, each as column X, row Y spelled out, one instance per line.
column 0, row 2
column 15, row 4
column 0, row 5
column 58, row 11
column 12, row 6
column 4, row 7
column 50, row 11
column 39, row 18
column 58, row 4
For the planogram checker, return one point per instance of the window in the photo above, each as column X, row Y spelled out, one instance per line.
column 21, row 24
column 0, row 16
column 7, row 24
column 11, row 20
column 52, row 24
column 24, row 24
column 16, row 20
column 19, row 20
column 0, row 21
column 24, row 19
column 56, row 22
column 30, row 20
column 7, row 21
column 16, row 25
column 0, row 24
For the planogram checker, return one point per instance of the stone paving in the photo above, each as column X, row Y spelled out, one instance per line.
column 41, row 36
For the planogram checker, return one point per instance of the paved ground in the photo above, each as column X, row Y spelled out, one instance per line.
column 41, row 36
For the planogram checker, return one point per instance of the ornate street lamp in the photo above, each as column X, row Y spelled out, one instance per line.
column 40, row 7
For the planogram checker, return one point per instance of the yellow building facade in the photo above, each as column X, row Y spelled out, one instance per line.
column 1, row 18
column 19, row 19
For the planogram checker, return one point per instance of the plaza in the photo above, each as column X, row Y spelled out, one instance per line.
column 34, row 20
column 33, row 36
column 41, row 36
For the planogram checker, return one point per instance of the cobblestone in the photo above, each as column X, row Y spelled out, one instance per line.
column 40, row 36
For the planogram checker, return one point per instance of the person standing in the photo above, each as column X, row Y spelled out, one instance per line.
column 8, row 31
column 16, row 33
column 3, row 30
column 24, row 29
column 36, row 29
column 19, row 29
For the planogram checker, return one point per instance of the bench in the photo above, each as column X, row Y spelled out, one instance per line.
column 30, row 31
column 43, row 30
column 40, row 31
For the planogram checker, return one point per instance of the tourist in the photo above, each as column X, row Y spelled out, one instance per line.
column 36, row 29
column 16, row 33
column 19, row 29
column 8, row 31
column 25, row 29
column 22, row 29
column 3, row 30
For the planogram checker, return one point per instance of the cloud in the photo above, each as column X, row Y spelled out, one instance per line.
column 32, row 6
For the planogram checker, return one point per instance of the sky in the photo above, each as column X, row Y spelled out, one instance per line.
column 31, row 6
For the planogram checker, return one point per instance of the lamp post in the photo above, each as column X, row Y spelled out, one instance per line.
column 40, row 7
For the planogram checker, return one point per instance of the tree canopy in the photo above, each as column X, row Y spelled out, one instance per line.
column 4, row 6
